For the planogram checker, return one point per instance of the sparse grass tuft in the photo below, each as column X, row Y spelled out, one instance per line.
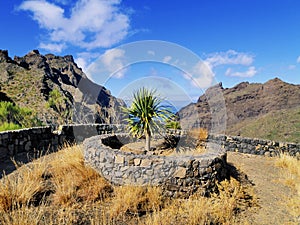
column 200, row 134
column 38, row 189
column 192, row 152
column 291, row 166
column 292, row 170
column 135, row 200
column 219, row 209
column 21, row 189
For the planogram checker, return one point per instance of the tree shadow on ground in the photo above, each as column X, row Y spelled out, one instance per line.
column 239, row 175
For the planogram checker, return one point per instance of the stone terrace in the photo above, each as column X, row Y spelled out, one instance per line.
column 179, row 175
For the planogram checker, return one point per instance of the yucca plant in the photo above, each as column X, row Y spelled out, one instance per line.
column 146, row 114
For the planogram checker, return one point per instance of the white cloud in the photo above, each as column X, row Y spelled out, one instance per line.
column 150, row 52
column 83, row 59
column 52, row 47
column 91, row 24
column 48, row 15
column 298, row 59
column 82, row 63
column 167, row 59
column 249, row 73
column 291, row 67
column 114, row 62
column 202, row 75
column 230, row 57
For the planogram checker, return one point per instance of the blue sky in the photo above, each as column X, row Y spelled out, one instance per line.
column 236, row 40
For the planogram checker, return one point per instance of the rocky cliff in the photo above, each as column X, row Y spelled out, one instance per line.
column 244, row 102
column 56, row 88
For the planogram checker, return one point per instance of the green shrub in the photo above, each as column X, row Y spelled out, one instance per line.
column 9, row 126
column 173, row 125
column 59, row 103
column 15, row 117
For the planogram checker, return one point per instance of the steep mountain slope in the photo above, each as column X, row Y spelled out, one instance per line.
column 245, row 104
column 56, row 88
column 282, row 125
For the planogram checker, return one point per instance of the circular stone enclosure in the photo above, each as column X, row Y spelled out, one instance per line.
column 178, row 175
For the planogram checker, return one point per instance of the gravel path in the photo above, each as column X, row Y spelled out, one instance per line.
column 271, row 193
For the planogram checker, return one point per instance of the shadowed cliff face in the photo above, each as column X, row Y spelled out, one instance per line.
column 244, row 102
column 29, row 81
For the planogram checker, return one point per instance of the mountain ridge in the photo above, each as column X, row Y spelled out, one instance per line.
column 30, row 80
column 243, row 102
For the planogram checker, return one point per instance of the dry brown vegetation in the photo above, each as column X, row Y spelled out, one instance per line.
column 60, row 189
column 291, row 170
column 200, row 134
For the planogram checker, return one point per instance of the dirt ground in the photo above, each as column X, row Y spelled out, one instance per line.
column 271, row 193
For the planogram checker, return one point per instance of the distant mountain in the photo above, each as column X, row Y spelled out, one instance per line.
column 56, row 88
column 252, row 109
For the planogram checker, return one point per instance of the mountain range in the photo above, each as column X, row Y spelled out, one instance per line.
column 269, row 110
column 58, row 91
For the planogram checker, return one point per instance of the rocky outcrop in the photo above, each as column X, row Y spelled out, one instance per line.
column 209, row 112
column 244, row 101
column 29, row 80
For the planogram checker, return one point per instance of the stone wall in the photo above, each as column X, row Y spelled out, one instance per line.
column 247, row 145
column 181, row 174
column 178, row 175
column 24, row 144
column 254, row 146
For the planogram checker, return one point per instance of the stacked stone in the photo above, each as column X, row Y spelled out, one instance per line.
column 196, row 175
column 25, row 141
column 76, row 133
column 178, row 175
column 24, row 144
column 255, row 146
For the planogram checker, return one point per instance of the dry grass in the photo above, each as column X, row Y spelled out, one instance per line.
column 196, row 139
column 60, row 189
column 47, row 184
column 291, row 170
column 21, row 189
column 198, row 150
column 135, row 201
column 219, row 209
column 198, row 133
column 73, row 181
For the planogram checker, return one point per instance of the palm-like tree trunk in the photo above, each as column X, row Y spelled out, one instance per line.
column 148, row 139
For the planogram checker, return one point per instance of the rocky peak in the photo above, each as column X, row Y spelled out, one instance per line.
column 61, row 73
column 276, row 80
column 4, row 56
column 66, row 58
column 211, row 92
column 69, row 58
column 240, row 86
column 33, row 59
column 33, row 52
column 243, row 102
